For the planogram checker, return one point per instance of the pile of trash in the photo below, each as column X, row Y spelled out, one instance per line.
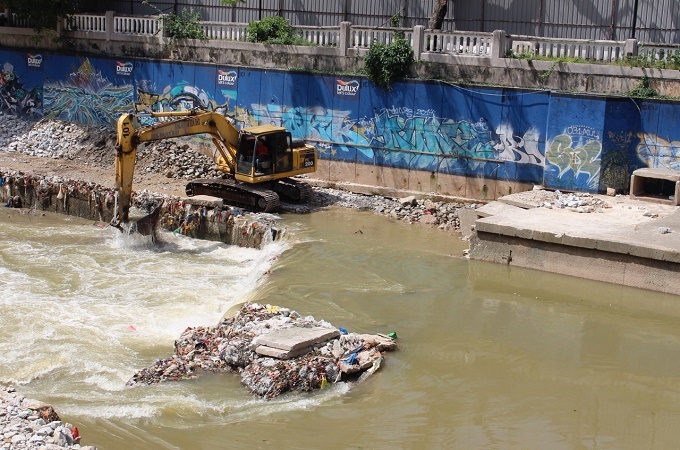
column 274, row 350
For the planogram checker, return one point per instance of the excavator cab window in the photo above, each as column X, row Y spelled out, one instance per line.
column 246, row 152
column 283, row 162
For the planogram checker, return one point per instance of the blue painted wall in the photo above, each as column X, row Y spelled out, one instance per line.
column 563, row 141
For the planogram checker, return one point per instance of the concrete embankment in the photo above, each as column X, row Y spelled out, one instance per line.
column 613, row 239
column 37, row 194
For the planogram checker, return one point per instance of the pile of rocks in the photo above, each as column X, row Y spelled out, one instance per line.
column 57, row 139
column 577, row 202
column 30, row 424
column 95, row 146
column 408, row 209
column 175, row 159
column 262, row 343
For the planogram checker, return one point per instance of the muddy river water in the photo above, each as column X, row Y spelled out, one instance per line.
column 490, row 357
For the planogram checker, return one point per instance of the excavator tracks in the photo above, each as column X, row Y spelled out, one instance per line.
column 293, row 190
column 253, row 197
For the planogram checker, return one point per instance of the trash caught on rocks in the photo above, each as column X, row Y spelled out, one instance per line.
column 274, row 350
column 31, row 424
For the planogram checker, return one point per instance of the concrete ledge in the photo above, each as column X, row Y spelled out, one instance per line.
column 497, row 209
column 592, row 264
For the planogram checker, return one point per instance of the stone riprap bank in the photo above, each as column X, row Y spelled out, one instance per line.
column 30, row 424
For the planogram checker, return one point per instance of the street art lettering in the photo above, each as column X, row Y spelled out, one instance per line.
column 521, row 149
column 658, row 153
column 576, row 153
column 401, row 128
column 87, row 97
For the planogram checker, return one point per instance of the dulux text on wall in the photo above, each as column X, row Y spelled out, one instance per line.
column 561, row 141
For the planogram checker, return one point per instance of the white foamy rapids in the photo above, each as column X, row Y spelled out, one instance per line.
column 83, row 308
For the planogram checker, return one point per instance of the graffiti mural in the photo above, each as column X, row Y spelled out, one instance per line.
column 87, row 97
column 398, row 128
column 576, row 155
column 179, row 97
column 563, row 141
column 658, row 153
column 15, row 99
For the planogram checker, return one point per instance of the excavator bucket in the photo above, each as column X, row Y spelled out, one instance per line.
column 148, row 225
column 139, row 222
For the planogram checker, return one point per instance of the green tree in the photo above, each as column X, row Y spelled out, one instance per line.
column 43, row 14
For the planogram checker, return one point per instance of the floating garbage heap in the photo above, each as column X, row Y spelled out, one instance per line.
column 274, row 350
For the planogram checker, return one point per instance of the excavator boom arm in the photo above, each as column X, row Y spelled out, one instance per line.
column 224, row 135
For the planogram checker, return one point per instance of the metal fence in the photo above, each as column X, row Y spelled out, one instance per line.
column 375, row 13
column 645, row 20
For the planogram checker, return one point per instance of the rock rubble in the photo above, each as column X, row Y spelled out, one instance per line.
column 234, row 345
column 30, row 424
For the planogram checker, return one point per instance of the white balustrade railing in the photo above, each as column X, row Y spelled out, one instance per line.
column 433, row 41
column 363, row 37
column 458, row 42
column 586, row 49
column 656, row 52
column 226, row 31
column 321, row 36
column 85, row 22
column 144, row 26
column 21, row 22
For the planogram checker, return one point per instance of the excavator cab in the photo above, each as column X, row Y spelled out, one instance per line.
column 261, row 155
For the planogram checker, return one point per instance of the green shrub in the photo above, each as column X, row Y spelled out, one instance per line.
column 643, row 89
column 184, row 25
column 273, row 30
column 385, row 64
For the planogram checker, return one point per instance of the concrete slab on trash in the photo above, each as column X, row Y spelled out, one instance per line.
column 296, row 338
column 281, row 354
column 204, row 200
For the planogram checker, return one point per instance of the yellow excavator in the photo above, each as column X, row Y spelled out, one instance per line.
column 257, row 161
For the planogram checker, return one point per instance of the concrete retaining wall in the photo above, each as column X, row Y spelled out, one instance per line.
column 587, row 263
column 96, row 203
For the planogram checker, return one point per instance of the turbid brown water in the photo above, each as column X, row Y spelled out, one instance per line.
column 490, row 356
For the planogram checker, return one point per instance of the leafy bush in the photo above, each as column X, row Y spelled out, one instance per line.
column 273, row 30
column 184, row 25
column 386, row 63
column 643, row 89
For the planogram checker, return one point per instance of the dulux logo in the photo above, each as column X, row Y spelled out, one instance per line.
column 123, row 68
column 347, row 87
column 228, row 78
column 34, row 60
